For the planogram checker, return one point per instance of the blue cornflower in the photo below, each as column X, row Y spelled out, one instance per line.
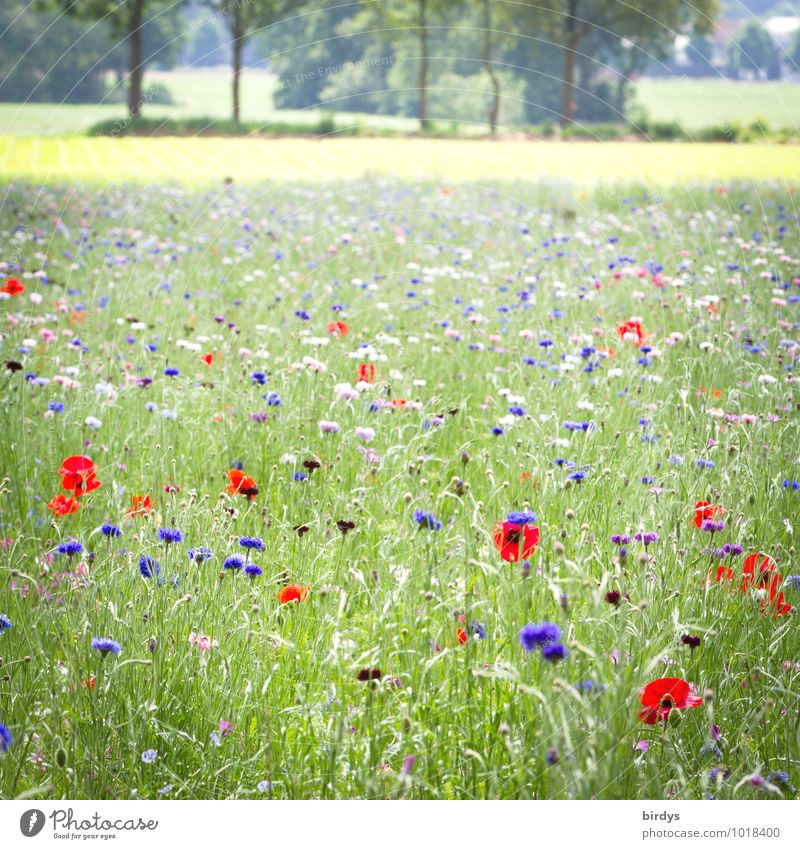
column 299, row 477
column 273, row 400
column 795, row 485
column 149, row 756
column 169, row 535
column 477, row 628
column 516, row 411
column 780, row 777
column 521, row 517
column 200, row 554
column 235, row 562
column 711, row 749
column 302, row 314
column 70, row 547
column 5, row 623
column 590, row 687
column 714, row 773
column 251, row 542
column 148, row 566
column 555, row 652
column 702, row 463
column 258, row 377
column 533, row 636
column 426, row 519
column 252, row 570
column 793, row 581
column 110, row 530
column 578, row 477
column 171, row 372
column 106, row 646
column 5, row 738
column 263, row 786
column 675, row 460
column 56, row 406
column 647, row 537
column 646, row 480
column 497, row 431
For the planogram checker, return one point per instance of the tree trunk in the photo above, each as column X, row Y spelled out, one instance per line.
column 238, row 46
column 570, row 48
column 135, row 68
column 622, row 85
column 494, row 108
column 424, row 123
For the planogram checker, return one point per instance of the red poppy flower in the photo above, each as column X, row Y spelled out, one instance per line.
column 293, row 592
column 78, row 474
column 13, row 287
column 139, row 504
column 659, row 697
column 515, row 542
column 761, row 573
column 366, row 373
column 337, row 328
column 778, row 605
column 703, row 510
column 462, row 636
column 207, row 359
column 241, row 484
column 724, row 573
column 633, row 327
column 63, row 506
column 759, row 570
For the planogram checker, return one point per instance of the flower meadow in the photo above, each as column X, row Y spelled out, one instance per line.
column 399, row 490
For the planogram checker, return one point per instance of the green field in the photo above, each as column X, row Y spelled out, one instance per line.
column 203, row 160
column 193, row 92
column 699, row 103
column 206, row 93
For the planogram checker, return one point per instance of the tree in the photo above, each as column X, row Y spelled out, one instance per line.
column 571, row 23
column 320, row 42
column 753, row 49
column 793, row 52
column 498, row 29
column 243, row 19
column 38, row 62
column 700, row 53
column 399, row 17
column 126, row 20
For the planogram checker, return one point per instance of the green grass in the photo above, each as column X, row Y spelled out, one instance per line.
column 695, row 103
column 226, row 271
column 204, row 160
column 194, row 93
column 700, row 103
